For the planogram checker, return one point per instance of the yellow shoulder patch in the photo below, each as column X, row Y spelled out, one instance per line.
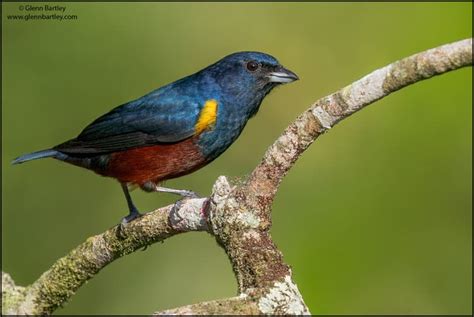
column 207, row 117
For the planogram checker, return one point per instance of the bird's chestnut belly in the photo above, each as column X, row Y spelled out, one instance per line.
column 155, row 163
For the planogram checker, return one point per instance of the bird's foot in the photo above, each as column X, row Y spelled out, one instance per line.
column 122, row 226
column 176, row 206
column 188, row 194
column 130, row 217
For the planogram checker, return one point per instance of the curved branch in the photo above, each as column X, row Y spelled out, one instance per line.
column 55, row 286
column 238, row 216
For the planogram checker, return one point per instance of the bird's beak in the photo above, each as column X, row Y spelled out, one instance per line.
column 282, row 75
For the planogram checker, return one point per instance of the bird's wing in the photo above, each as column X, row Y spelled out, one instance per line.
column 146, row 121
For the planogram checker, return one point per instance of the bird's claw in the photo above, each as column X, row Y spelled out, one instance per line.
column 177, row 206
column 189, row 194
column 122, row 226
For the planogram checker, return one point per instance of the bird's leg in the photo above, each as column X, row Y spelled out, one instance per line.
column 182, row 192
column 153, row 187
column 133, row 211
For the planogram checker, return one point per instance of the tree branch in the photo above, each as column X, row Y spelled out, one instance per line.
column 55, row 286
column 238, row 216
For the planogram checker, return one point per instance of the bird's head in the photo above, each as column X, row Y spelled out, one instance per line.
column 250, row 74
column 251, row 70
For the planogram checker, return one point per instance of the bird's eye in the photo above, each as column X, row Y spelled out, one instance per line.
column 252, row 66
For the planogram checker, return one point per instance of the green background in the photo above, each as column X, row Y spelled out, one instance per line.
column 374, row 218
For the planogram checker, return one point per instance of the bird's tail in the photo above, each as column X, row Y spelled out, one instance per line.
column 35, row 156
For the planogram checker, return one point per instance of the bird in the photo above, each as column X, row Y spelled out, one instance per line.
column 173, row 130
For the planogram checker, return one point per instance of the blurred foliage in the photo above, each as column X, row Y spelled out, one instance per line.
column 374, row 218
